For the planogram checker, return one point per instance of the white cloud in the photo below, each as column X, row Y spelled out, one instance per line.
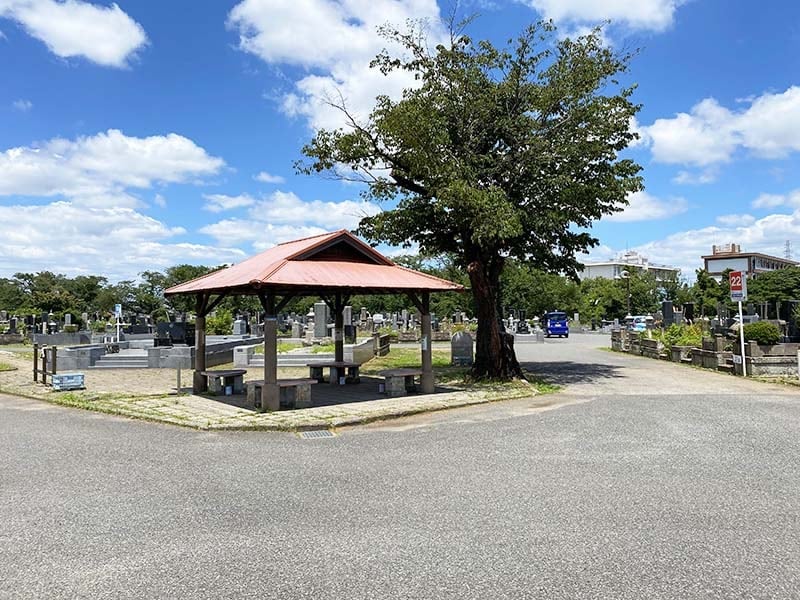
column 710, row 133
column 653, row 15
column 160, row 201
column 791, row 199
column 260, row 234
column 708, row 175
column 265, row 177
column 22, row 105
column 284, row 216
column 98, row 170
column 684, row 249
column 644, row 207
column 287, row 208
column 105, row 35
column 735, row 220
column 335, row 39
column 220, row 202
column 115, row 242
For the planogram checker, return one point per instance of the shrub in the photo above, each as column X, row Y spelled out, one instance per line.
column 220, row 323
column 762, row 332
column 683, row 335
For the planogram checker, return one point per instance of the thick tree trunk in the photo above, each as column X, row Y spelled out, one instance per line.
column 495, row 357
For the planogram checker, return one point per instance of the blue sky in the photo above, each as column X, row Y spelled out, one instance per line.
column 143, row 134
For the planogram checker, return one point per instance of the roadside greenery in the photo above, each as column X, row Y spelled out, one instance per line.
column 680, row 335
column 762, row 332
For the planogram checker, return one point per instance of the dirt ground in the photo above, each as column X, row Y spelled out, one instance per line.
column 134, row 382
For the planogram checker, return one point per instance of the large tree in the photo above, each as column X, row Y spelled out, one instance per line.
column 495, row 154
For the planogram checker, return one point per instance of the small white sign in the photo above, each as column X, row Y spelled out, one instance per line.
column 118, row 310
column 737, row 359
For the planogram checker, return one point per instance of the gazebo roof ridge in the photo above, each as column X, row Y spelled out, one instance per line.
column 329, row 261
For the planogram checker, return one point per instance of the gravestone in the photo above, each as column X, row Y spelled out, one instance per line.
column 363, row 315
column 85, row 320
column 404, row 316
column 3, row 316
column 67, row 319
column 297, row 329
column 320, row 320
column 239, row 326
column 347, row 315
column 461, row 350
column 669, row 315
column 688, row 311
column 12, row 325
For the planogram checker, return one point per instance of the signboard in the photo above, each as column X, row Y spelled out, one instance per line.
column 738, row 283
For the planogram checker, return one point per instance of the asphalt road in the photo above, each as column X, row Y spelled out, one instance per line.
column 644, row 480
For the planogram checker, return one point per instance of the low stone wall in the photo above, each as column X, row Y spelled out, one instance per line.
column 11, row 338
column 79, row 357
column 709, row 359
column 759, row 350
column 650, row 348
column 357, row 353
column 769, row 366
column 163, row 357
column 681, row 354
column 63, row 339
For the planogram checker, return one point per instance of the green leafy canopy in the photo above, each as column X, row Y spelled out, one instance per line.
column 497, row 151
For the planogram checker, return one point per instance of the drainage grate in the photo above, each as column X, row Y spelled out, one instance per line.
column 317, row 433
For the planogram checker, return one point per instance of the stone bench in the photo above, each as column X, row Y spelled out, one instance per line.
column 337, row 370
column 399, row 382
column 219, row 380
column 294, row 393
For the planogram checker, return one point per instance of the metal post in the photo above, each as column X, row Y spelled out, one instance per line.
column 741, row 339
column 36, row 363
column 628, row 279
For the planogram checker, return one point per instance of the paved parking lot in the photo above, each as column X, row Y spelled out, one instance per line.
column 643, row 480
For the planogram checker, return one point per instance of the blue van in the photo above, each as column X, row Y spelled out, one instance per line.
column 555, row 323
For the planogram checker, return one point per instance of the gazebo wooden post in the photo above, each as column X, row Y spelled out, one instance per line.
column 199, row 382
column 270, row 396
column 427, row 356
column 338, row 329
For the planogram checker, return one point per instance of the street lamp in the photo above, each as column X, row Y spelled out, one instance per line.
column 627, row 277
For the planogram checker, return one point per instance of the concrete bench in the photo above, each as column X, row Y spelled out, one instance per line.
column 218, row 381
column 348, row 370
column 399, row 382
column 294, row 393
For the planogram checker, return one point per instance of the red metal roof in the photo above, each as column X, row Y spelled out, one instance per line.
column 326, row 262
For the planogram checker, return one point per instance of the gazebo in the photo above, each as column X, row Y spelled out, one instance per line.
column 332, row 266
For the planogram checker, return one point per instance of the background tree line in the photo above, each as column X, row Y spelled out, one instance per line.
column 521, row 288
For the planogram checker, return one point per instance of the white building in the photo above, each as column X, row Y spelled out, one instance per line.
column 730, row 256
column 627, row 261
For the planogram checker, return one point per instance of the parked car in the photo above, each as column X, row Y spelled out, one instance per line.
column 555, row 323
column 639, row 323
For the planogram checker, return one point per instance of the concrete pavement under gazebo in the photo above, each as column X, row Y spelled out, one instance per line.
column 333, row 266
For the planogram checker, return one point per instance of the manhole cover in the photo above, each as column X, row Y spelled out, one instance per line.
column 317, row 433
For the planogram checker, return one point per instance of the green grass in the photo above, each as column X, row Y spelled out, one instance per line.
column 7, row 367
column 445, row 373
column 323, row 349
column 283, row 347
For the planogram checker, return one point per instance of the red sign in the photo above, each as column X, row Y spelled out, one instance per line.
column 738, row 284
